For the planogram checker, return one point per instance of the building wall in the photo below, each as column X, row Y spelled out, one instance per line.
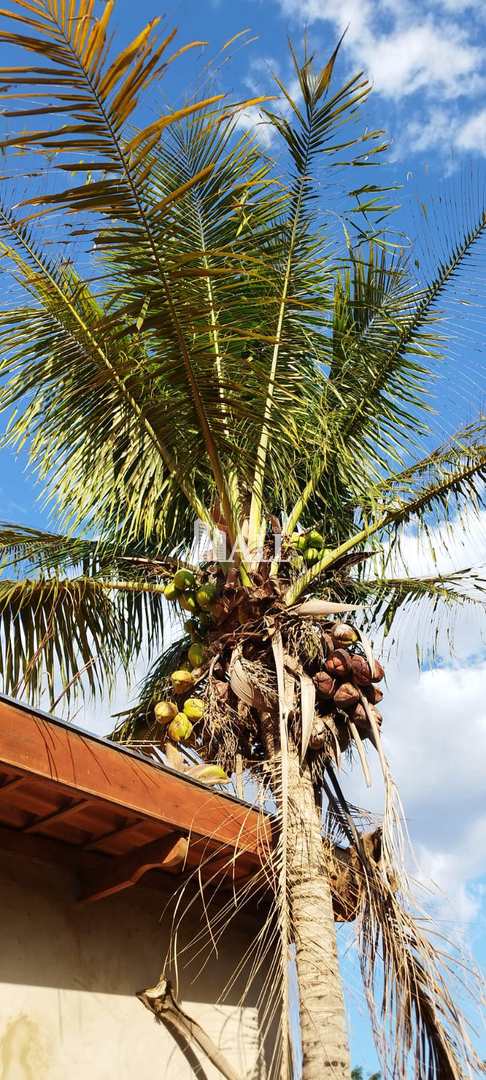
column 68, row 975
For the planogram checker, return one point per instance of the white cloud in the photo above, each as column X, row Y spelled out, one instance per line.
column 448, row 130
column 471, row 135
column 408, row 47
column 251, row 119
column 434, row 733
column 454, row 873
column 402, row 46
column 453, row 545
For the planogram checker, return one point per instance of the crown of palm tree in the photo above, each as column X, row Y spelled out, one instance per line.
column 220, row 346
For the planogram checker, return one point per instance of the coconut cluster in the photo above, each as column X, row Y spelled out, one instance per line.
column 214, row 702
column 198, row 597
column 308, row 547
column 346, row 685
column 179, row 719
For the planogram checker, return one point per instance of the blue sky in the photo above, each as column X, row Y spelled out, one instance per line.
column 427, row 61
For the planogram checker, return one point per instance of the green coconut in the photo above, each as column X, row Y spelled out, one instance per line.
column 188, row 602
column 182, row 681
column 206, row 595
column 302, row 542
column 315, row 539
column 170, row 591
column 312, row 555
column 180, row 729
column 184, row 580
column 196, row 654
column 165, row 711
column 210, row 774
column 194, row 708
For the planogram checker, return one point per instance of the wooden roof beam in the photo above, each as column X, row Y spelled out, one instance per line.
column 168, row 854
column 61, row 814
column 91, row 767
column 10, row 784
column 123, row 830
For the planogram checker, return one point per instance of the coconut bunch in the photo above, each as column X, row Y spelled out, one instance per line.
column 172, row 722
column 306, row 548
column 178, row 715
column 328, row 662
column 212, row 702
column 347, row 693
column 178, row 721
column 197, row 595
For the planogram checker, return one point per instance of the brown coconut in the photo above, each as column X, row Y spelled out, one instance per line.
column 339, row 664
column 360, row 671
column 378, row 672
column 344, row 634
column 346, row 697
column 325, row 684
column 373, row 694
column 358, row 716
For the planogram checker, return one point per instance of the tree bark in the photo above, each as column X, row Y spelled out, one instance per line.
column 322, row 1010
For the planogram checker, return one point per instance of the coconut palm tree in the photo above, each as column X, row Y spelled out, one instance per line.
column 235, row 339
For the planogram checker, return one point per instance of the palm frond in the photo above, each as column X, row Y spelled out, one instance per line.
column 443, row 483
column 387, row 378
column 451, row 480
column 48, row 349
column 402, row 965
column 101, row 104
column 45, row 553
column 303, row 295
column 438, row 598
column 66, row 635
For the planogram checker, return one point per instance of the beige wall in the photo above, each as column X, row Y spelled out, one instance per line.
column 68, row 975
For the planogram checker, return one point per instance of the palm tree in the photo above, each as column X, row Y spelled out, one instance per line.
column 216, row 348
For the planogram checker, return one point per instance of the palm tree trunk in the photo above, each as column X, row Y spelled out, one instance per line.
column 322, row 1010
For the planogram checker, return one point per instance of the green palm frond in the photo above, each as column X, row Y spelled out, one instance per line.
column 102, row 97
column 390, row 341
column 451, row 481
column 49, row 554
column 303, row 299
column 399, row 349
column 47, row 350
column 436, row 489
column 66, row 635
column 439, row 596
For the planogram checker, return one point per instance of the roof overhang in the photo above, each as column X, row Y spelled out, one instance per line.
column 68, row 796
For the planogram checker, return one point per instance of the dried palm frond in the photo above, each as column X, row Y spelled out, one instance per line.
column 417, row 1020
